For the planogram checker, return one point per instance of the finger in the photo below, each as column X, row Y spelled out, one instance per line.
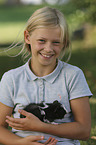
column 55, row 141
column 37, row 143
column 17, row 128
column 14, row 120
column 48, row 140
column 35, row 138
column 51, row 141
column 14, row 125
column 23, row 112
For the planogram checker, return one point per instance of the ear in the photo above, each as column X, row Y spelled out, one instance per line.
column 27, row 37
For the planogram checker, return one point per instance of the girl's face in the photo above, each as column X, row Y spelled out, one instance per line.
column 45, row 46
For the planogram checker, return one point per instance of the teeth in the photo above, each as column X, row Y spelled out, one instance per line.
column 46, row 55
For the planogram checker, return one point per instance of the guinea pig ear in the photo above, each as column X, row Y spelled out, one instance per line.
column 27, row 37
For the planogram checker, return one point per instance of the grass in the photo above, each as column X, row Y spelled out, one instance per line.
column 12, row 22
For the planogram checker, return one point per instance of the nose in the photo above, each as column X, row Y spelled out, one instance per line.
column 49, row 47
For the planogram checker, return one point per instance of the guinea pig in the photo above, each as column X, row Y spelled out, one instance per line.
column 46, row 112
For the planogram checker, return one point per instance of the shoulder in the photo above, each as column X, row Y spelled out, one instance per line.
column 70, row 69
column 14, row 73
column 71, row 72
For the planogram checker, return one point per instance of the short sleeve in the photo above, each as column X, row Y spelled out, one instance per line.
column 6, row 90
column 78, row 86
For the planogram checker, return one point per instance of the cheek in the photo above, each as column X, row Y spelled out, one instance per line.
column 58, row 50
column 37, row 47
column 40, row 47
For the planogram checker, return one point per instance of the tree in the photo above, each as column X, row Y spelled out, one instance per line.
column 88, row 7
column 13, row 2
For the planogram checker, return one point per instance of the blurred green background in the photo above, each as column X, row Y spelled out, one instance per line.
column 81, row 18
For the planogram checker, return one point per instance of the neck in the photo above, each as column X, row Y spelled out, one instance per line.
column 42, row 70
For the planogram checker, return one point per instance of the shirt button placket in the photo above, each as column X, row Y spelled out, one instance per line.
column 41, row 90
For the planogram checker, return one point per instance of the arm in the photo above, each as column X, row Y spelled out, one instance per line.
column 79, row 129
column 8, row 138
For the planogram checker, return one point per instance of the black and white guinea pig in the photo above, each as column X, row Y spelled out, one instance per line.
column 46, row 112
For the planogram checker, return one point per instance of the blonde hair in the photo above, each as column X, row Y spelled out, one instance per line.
column 48, row 17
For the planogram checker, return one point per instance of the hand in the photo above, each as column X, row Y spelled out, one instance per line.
column 32, row 140
column 51, row 141
column 30, row 123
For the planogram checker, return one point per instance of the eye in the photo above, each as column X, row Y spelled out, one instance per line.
column 57, row 43
column 41, row 41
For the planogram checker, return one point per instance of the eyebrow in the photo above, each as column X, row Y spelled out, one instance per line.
column 46, row 39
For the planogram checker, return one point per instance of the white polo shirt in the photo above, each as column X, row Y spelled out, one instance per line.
column 20, row 87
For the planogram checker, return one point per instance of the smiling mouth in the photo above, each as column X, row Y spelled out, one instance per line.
column 46, row 56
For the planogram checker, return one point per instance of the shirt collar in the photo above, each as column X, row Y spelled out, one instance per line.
column 49, row 78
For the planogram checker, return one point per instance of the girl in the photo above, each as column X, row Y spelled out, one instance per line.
column 44, row 78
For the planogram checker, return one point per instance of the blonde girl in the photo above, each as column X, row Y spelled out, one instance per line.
column 45, row 78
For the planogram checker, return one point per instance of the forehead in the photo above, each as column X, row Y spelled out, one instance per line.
column 47, row 33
